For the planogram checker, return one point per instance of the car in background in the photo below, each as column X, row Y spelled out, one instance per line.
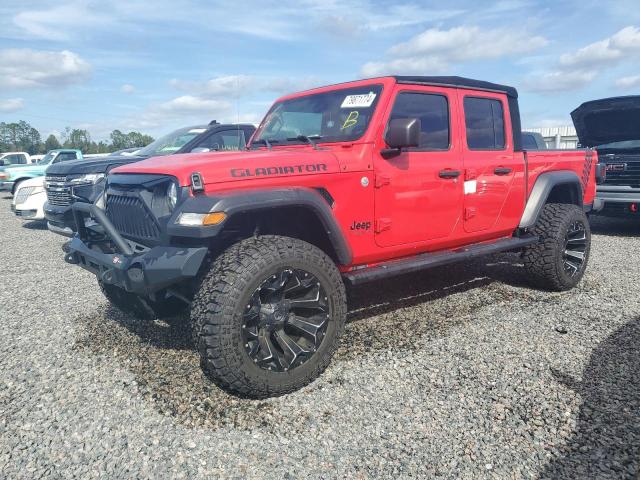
column 533, row 141
column 84, row 181
column 29, row 199
column 12, row 176
column 612, row 127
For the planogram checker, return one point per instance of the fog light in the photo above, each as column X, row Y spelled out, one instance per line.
column 633, row 208
column 199, row 219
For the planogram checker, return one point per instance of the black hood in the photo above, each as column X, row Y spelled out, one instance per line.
column 91, row 165
column 608, row 120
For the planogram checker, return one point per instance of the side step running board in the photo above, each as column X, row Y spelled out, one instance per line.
column 429, row 260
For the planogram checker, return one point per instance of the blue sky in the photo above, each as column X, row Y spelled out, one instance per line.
column 155, row 66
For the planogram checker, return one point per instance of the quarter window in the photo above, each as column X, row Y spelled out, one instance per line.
column 433, row 112
column 484, row 119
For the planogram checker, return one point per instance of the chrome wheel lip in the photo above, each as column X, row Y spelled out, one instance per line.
column 575, row 250
column 285, row 320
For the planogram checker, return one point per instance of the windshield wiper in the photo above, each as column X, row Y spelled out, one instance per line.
column 307, row 139
column 264, row 141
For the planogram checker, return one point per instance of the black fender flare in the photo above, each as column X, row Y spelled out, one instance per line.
column 241, row 201
column 545, row 183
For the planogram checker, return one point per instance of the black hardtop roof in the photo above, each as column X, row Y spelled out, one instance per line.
column 454, row 81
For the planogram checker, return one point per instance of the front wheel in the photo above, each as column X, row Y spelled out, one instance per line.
column 559, row 261
column 268, row 316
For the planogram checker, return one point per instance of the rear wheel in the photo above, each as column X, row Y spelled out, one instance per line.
column 268, row 316
column 559, row 261
column 142, row 308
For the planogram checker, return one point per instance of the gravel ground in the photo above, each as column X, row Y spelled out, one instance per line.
column 460, row 372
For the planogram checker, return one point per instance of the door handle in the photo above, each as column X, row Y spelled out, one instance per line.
column 449, row 173
column 502, row 171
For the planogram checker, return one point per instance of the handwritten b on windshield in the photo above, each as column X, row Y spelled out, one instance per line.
column 351, row 120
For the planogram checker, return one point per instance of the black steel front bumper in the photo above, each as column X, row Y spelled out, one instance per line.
column 143, row 273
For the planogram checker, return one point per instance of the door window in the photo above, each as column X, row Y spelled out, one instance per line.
column 15, row 159
column 225, row 140
column 433, row 112
column 65, row 156
column 484, row 119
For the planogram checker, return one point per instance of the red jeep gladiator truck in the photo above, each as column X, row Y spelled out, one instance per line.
column 342, row 184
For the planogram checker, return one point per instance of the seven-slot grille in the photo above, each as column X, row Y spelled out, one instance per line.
column 130, row 217
column 23, row 194
column 58, row 192
column 622, row 170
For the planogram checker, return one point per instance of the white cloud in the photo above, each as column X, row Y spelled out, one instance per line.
column 238, row 86
column 229, row 85
column 11, row 105
column 190, row 104
column 559, row 81
column 578, row 69
column 58, row 23
column 127, row 88
column 26, row 68
column 628, row 82
column 435, row 50
column 609, row 51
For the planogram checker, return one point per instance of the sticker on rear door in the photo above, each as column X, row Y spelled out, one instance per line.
column 470, row 186
column 358, row 101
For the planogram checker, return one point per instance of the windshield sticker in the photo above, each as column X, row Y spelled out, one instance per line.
column 359, row 101
column 197, row 130
column 351, row 120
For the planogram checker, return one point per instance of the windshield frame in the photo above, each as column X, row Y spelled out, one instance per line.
column 259, row 140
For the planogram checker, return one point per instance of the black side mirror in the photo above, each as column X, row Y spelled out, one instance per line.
column 402, row 133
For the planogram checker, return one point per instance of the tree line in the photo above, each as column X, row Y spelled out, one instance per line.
column 22, row 137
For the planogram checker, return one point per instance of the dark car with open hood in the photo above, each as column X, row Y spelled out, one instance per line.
column 83, row 181
column 612, row 127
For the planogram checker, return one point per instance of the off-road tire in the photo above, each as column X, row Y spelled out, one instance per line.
column 544, row 261
column 219, row 305
column 143, row 309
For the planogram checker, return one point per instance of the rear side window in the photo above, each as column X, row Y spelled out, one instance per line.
column 529, row 142
column 433, row 112
column 484, row 119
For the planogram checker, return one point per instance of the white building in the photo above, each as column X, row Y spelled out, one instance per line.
column 558, row 137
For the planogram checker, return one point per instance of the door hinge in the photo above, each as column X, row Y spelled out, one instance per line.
column 381, row 181
column 383, row 224
column 469, row 212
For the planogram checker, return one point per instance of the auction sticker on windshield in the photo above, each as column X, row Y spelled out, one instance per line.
column 359, row 101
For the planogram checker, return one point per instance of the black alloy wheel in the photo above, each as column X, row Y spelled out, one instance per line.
column 575, row 247
column 285, row 321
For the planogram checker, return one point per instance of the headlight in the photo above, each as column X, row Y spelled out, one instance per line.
column 101, row 201
column 86, row 179
column 172, row 195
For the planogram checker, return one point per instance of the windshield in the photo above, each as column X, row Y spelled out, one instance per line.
column 626, row 145
column 171, row 143
column 47, row 159
column 335, row 116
